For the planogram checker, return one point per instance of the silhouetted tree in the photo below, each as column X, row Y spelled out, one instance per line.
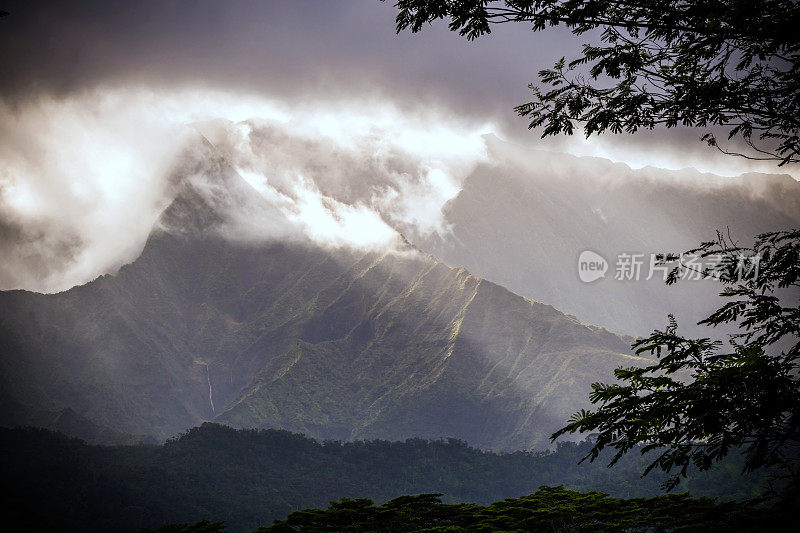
column 552, row 509
column 744, row 397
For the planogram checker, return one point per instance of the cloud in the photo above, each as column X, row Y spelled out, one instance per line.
column 77, row 180
column 403, row 166
column 330, row 222
column 290, row 50
column 306, row 51
column 84, row 178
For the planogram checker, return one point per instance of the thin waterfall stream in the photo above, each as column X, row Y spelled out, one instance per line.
column 210, row 397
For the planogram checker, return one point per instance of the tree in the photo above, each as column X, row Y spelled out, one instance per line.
column 697, row 402
column 548, row 509
column 699, row 63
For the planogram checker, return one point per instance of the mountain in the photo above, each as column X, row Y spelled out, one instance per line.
column 211, row 323
column 67, row 422
column 523, row 219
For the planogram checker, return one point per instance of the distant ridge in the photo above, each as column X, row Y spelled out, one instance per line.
column 523, row 218
column 68, row 422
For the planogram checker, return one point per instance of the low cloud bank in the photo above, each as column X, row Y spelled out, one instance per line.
column 83, row 179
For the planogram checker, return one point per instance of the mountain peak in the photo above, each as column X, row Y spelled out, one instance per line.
column 210, row 197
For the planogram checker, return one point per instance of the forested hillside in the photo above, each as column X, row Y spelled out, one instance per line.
column 249, row 478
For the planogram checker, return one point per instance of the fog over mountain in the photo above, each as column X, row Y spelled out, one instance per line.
column 523, row 218
column 213, row 322
column 361, row 178
column 97, row 103
column 297, row 299
column 87, row 179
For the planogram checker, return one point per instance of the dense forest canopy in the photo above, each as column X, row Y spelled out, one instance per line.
column 247, row 478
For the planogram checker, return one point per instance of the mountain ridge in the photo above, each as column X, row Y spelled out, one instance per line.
column 523, row 222
column 335, row 343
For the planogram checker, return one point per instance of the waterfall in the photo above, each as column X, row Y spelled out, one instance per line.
column 210, row 398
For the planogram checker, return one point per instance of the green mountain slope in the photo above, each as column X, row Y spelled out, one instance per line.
column 267, row 333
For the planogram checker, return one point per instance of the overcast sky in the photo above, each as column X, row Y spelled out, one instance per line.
column 304, row 51
column 89, row 93
column 287, row 49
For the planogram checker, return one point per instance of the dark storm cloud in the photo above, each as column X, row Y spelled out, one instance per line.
column 295, row 49
column 303, row 51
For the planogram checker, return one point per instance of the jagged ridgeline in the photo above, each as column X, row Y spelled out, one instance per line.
column 523, row 220
column 216, row 322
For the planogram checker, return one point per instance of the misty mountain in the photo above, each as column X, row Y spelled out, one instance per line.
column 67, row 422
column 523, row 219
column 211, row 323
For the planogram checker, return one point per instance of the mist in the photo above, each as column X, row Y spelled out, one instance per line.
column 84, row 179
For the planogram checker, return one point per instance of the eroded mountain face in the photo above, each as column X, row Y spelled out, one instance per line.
column 333, row 342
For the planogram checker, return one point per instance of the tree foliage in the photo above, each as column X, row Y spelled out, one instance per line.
column 698, row 401
column 548, row 509
column 699, row 63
